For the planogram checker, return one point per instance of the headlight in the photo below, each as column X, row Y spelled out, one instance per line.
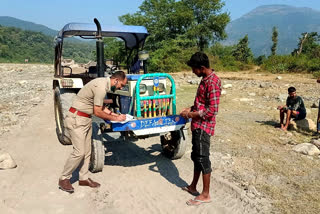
column 161, row 87
column 125, row 88
column 143, row 88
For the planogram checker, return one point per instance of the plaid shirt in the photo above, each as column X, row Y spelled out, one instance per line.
column 206, row 103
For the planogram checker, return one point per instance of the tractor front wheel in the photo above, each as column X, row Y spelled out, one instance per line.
column 174, row 143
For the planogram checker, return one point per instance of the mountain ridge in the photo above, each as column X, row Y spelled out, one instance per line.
column 8, row 21
column 290, row 22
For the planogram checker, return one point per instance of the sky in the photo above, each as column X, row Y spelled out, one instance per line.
column 55, row 14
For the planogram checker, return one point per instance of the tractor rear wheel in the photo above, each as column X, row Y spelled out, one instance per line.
column 62, row 102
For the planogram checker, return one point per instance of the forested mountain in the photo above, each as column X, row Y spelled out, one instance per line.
column 290, row 22
column 25, row 25
column 16, row 45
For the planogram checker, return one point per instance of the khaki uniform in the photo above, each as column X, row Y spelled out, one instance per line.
column 80, row 128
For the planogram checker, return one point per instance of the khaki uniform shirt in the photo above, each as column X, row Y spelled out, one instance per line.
column 93, row 93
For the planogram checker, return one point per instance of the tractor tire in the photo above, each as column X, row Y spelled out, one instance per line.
column 97, row 150
column 62, row 102
column 174, row 143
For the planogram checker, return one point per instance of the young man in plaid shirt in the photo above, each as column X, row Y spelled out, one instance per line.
column 203, row 114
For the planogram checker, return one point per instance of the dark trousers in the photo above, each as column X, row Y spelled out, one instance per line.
column 201, row 151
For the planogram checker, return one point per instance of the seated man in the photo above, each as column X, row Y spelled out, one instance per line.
column 294, row 108
column 135, row 67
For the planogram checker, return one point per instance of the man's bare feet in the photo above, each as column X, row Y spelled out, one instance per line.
column 190, row 190
column 200, row 199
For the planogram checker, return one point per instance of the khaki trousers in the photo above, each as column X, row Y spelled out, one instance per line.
column 80, row 129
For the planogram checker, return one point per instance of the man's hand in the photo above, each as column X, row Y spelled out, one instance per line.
column 185, row 110
column 184, row 114
column 120, row 117
column 279, row 107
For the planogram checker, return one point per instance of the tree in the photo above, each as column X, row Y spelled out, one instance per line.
column 115, row 50
column 200, row 21
column 164, row 19
column 274, row 40
column 242, row 51
column 308, row 43
column 208, row 22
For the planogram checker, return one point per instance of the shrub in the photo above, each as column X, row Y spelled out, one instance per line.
column 171, row 57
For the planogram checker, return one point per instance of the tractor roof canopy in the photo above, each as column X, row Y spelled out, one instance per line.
column 134, row 36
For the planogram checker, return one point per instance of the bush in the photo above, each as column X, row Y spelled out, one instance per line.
column 289, row 63
column 277, row 64
column 171, row 57
column 221, row 59
column 260, row 60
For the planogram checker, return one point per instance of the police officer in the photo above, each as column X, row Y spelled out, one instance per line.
column 88, row 101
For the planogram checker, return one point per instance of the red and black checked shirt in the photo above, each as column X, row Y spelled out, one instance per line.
column 206, row 103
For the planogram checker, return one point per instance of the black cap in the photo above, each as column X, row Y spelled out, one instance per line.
column 198, row 59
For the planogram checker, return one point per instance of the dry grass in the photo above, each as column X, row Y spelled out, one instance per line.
column 262, row 154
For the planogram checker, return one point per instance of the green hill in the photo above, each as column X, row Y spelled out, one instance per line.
column 25, row 25
column 16, row 45
column 290, row 22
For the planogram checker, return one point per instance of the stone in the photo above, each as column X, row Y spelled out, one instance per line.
column 279, row 77
column 227, row 86
column 6, row 161
column 246, row 100
column 306, row 149
column 266, row 85
column 22, row 82
column 315, row 105
column 223, row 92
column 193, row 82
column 316, row 142
column 282, row 97
column 305, row 124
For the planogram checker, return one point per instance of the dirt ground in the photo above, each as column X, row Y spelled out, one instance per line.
column 254, row 167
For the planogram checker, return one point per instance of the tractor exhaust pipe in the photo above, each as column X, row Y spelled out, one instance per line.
column 99, row 50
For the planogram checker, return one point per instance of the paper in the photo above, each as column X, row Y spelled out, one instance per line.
column 128, row 118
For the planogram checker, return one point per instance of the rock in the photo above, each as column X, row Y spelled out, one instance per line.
column 289, row 134
column 279, row 77
column 305, row 124
column 252, row 94
column 227, row 86
column 22, row 82
column 282, row 97
column 223, row 92
column 292, row 142
column 193, row 82
column 315, row 105
column 316, row 142
column 6, row 161
column 246, row 99
column 306, row 149
column 265, row 84
column 253, row 190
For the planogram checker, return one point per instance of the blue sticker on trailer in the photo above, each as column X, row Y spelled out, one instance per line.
column 147, row 123
column 156, row 81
